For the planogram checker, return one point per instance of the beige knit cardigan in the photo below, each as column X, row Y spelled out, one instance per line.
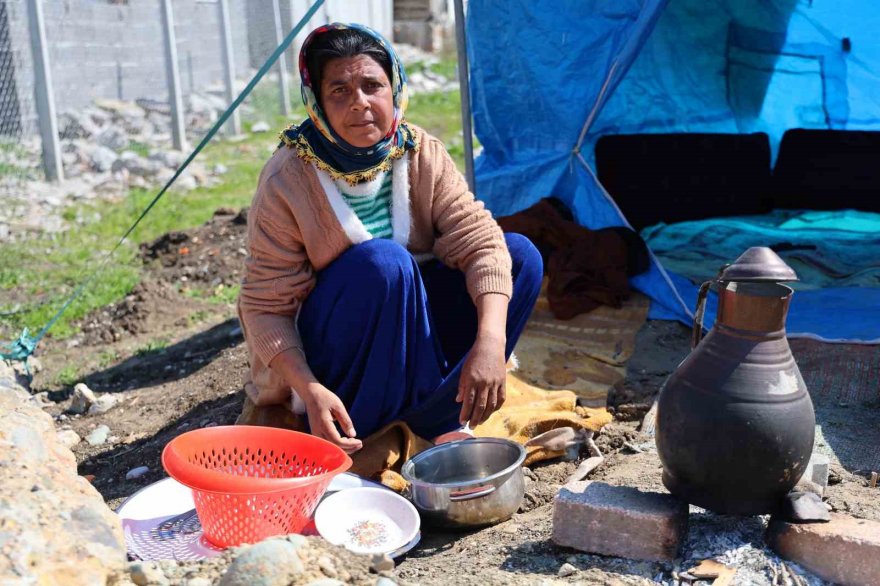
column 299, row 223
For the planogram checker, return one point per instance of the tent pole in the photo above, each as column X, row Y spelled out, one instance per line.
column 465, row 91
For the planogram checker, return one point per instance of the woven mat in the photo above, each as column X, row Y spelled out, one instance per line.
column 586, row 354
column 847, row 373
column 844, row 383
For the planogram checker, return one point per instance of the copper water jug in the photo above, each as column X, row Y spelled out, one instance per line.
column 735, row 423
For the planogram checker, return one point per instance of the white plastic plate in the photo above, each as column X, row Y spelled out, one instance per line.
column 368, row 521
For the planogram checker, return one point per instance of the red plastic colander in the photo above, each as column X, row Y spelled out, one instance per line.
column 251, row 482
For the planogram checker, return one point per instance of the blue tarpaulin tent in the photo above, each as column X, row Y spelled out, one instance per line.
column 549, row 78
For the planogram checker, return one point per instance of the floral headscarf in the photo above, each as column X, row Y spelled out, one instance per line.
column 316, row 142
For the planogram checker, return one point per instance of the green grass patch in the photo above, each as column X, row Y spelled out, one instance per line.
column 199, row 316
column 139, row 148
column 107, row 358
column 221, row 294
column 152, row 347
column 67, row 376
column 447, row 66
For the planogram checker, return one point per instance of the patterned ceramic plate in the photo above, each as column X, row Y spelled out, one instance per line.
column 368, row 521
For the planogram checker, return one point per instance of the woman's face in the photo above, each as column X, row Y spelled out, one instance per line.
column 357, row 100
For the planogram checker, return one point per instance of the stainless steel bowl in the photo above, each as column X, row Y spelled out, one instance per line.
column 468, row 483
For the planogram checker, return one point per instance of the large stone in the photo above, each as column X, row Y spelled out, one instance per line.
column 845, row 550
column 273, row 562
column 620, row 521
column 54, row 526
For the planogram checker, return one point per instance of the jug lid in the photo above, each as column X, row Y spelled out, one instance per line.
column 758, row 263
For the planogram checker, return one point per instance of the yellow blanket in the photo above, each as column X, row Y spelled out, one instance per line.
column 530, row 411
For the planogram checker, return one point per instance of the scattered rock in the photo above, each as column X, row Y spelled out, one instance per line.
column 261, row 126
column 327, row 566
column 381, row 563
column 273, row 562
column 77, row 125
column 113, row 138
column 566, row 570
column 102, row 158
column 804, row 507
column 136, row 472
column 68, row 438
column 41, row 399
column 82, row 400
column 103, row 404
column 220, row 169
column 147, row 574
column 168, row 158
column 98, row 436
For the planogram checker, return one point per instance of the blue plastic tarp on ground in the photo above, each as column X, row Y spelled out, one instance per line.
column 548, row 79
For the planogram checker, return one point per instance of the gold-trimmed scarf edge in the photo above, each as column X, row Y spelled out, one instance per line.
column 305, row 152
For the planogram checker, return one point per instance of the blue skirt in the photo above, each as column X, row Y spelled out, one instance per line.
column 389, row 337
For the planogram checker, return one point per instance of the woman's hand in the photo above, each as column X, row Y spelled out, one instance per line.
column 481, row 390
column 323, row 407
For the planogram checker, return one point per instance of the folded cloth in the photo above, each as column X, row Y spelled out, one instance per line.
column 385, row 452
column 586, row 268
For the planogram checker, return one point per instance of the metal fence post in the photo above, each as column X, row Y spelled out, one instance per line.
column 464, row 84
column 178, row 134
column 44, row 94
column 283, row 80
column 233, row 127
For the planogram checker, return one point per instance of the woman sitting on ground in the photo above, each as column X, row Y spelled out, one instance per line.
column 376, row 289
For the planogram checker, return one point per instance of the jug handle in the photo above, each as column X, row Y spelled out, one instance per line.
column 697, row 334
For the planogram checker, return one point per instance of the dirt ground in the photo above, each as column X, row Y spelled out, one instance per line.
column 175, row 361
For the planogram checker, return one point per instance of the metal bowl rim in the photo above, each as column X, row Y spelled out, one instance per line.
column 411, row 463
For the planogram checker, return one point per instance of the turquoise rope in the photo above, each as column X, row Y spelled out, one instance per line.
column 25, row 345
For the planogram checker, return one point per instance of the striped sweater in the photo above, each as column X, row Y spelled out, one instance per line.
column 371, row 203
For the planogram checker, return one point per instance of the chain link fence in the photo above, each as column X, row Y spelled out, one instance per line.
column 109, row 76
column 20, row 147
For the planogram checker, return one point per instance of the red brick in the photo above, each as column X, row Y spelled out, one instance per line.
column 620, row 521
column 845, row 550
